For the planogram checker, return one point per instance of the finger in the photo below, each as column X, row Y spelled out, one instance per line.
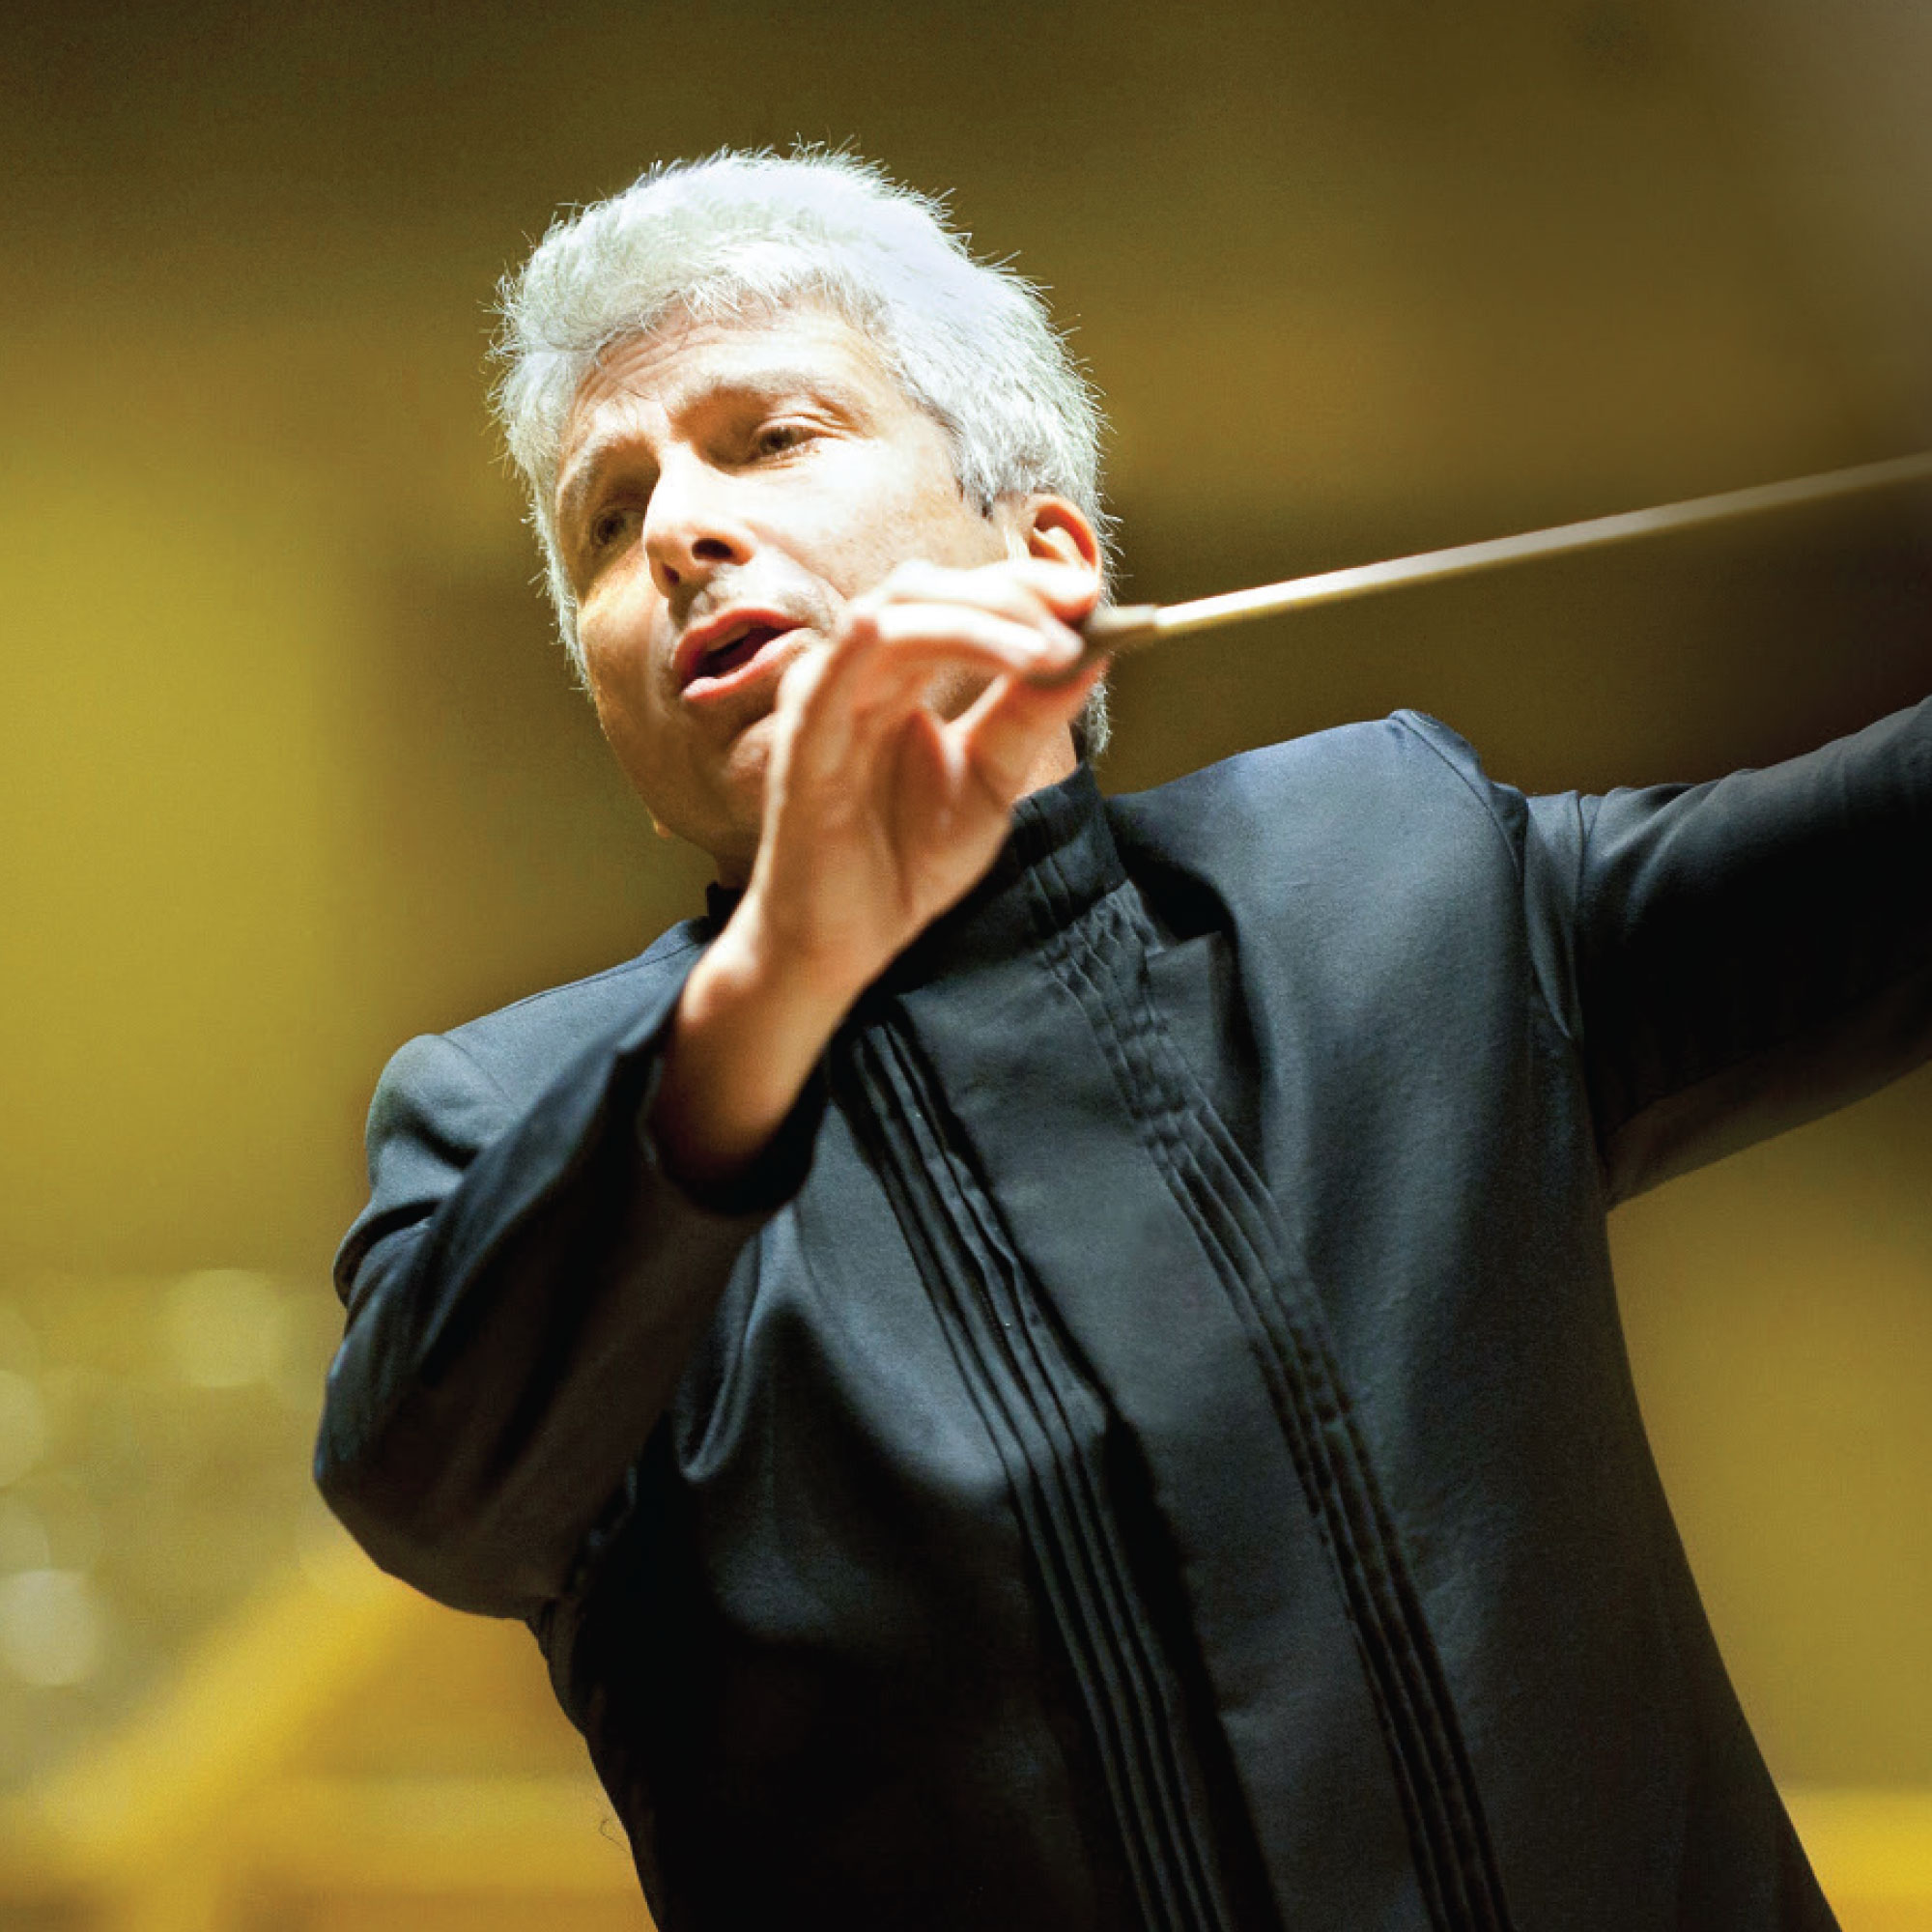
column 844, row 702
column 881, row 663
column 836, row 705
column 1033, row 591
column 1004, row 733
column 930, row 636
column 1068, row 590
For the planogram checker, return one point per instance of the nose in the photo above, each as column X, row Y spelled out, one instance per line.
column 690, row 531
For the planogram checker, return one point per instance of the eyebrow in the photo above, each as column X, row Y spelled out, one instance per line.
column 592, row 464
column 587, row 470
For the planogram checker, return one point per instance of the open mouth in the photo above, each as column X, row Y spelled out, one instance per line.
column 722, row 659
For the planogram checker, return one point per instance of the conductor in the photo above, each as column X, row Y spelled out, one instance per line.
column 1050, row 1362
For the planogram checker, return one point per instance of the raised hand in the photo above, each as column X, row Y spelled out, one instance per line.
column 882, row 809
column 900, row 752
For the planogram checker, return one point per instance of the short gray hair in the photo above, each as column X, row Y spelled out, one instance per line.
column 970, row 342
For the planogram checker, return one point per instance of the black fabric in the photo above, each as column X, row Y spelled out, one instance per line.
column 1152, row 1443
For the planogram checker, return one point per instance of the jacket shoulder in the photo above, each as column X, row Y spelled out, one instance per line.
column 520, row 1047
column 1408, row 773
column 445, row 1096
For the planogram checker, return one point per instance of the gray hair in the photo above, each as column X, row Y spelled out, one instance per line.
column 969, row 342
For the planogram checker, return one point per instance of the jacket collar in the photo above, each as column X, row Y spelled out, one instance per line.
column 1057, row 861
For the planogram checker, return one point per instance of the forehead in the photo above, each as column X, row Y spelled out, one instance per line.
column 659, row 379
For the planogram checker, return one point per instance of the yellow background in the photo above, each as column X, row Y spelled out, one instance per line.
column 289, row 767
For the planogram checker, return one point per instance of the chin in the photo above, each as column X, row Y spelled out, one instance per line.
column 739, row 814
column 746, row 762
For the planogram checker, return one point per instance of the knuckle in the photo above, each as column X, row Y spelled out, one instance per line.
column 861, row 624
column 800, row 679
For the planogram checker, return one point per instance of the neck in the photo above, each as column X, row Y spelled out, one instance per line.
column 1056, row 761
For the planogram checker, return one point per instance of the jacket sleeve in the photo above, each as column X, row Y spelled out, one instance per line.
column 523, row 1291
column 1739, row 956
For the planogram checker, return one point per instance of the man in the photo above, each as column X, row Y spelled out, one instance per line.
column 1052, row 1362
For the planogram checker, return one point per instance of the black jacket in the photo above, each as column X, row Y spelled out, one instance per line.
column 1152, row 1443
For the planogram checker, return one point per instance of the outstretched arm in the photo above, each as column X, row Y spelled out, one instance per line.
column 1746, row 954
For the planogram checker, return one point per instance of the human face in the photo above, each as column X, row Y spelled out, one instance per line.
column 726, row 489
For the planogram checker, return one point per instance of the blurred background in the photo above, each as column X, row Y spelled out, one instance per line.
column 291, row 768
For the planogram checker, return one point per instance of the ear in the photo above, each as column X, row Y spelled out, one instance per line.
column 1055, row 529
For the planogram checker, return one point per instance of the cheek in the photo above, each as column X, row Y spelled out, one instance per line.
column 650, row 757
column 926, row 528
column 950, row 530
column 619, row 691
column 874, row 515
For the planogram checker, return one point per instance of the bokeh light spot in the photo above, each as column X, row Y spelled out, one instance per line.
column 52, row 1628
column 23, row 1427
column 223, row 1328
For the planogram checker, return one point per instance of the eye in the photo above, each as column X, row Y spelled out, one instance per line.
column 609, row 526
column 775, row 439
